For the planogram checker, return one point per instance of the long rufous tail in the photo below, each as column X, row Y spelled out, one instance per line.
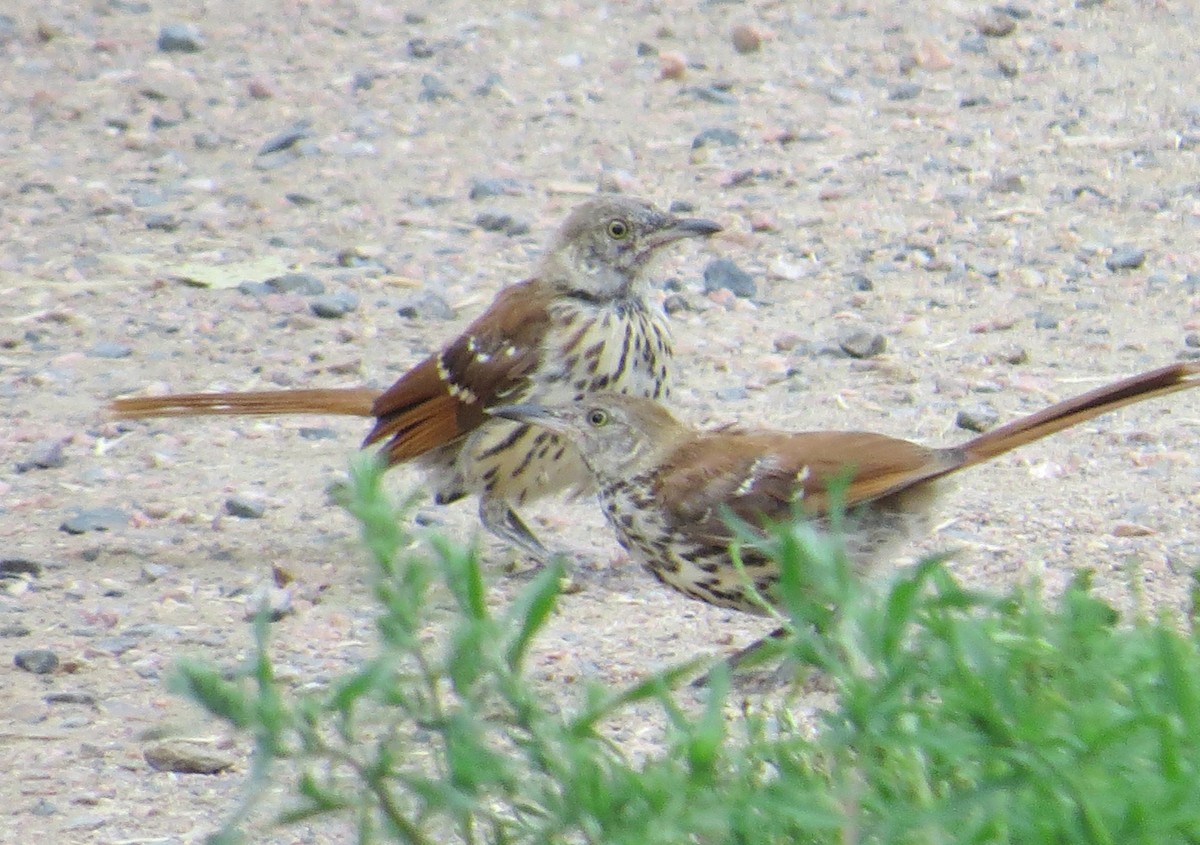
column 1069, row 412
column 339, row 401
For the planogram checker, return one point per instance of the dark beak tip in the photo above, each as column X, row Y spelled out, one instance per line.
column 700, row 227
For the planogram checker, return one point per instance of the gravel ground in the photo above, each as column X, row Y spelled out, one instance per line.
column 1004, row 198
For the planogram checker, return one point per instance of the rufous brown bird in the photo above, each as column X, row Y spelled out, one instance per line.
column 668, row 489
column 582, row 323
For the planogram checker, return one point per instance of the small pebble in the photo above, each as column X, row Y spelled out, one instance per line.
column 109, row 349
column 995, row 24
column 315, row 433
column 247, row 287
column 746, row 38
column 426, row 305
column 333, row 306
column 717, row 136
column 180, row 38
column 787, row 341
column 1041, row 320
column 16, row 567
column 434, row 89
column 1015, row 10
column 863, row 344
column 904, row 91
column 245, row 506
column 46, row 454
column 843, row 95
column 495, row 221
column 1126, row 258
column 118, row 645
column 487, row 188
column 712, row 94
column 1131, row 529
column 732, row 394
column 43, row 808
column 979, row 418
column 976, row 44
column 70, row 697
column 672, row 65
column 676, row 303
column 287, row 138
column 419, row 48
column 1013, row 354
column 724, row 273
column 185, row 757
column 1192, row 339
column 95, row 519
column 305, row 284
column 152, row 572
column 39, row 661
column 162, row 222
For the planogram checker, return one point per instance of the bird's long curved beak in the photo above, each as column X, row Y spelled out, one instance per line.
column 680, row 228
column 532, row 414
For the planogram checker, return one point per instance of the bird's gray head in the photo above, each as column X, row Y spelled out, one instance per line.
column 619, row 436
column 602, row 250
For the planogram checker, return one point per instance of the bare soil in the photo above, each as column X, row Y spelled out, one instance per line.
column 902, row 168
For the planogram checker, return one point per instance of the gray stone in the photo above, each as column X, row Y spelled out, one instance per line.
column 717, row 136
column 109, row 349
column 180, row 38
column 163, row 222
column 8, row 30
column 904, row 91
column 245, row 507
column 95, row 519
column 70, row 697
column 724, row 273
column 434, row 89
column 333, row 306
column 305, row 284
column 498, row 221
column 46, row 454
column 712, row 94
column 118, row 645
column 488, row 188
column 996, row 24
column 1125, row 258
column 39, row 661
column 426, row 305
column 979, row 418
column 863, row 344
column 183, row 757
column 733, row 394
column 287, row 138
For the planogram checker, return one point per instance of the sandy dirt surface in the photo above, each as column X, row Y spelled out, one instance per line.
column 1010, row 199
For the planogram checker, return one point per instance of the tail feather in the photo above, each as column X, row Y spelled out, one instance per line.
column 1069, row 412
column 346, row 401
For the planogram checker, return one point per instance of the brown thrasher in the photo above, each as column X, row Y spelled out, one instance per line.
column 581, row 324
column 667, row 489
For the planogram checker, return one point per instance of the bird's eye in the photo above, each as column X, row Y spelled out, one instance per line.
column 618, row 229
column 597, row 417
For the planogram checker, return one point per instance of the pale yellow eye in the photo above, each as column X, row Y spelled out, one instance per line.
column 618, row 230
column 597, row 418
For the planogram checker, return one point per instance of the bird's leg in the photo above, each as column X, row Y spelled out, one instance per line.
column 500, row 519
column 743, row 655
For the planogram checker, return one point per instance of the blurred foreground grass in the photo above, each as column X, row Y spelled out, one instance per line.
column 960, row 717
